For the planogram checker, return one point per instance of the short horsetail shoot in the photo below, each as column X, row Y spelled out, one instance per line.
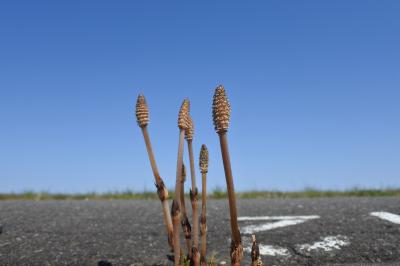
column 255, row 253
column 203, row 163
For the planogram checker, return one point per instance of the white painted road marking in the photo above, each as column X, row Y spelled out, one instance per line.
column 328, row 243
column 279, row 221
column 266, row 218
column 268, row 250
column 391, row 217
column 282, row 222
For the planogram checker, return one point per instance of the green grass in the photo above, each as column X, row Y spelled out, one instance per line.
column 215, row 194
column 313, row 193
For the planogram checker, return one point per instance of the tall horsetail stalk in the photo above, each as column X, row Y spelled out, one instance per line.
column 142, row 117
column 203, row 163
column 255, row 253
column 221, row 116
column 182, row 125
column 189, row 134
column 187, row 230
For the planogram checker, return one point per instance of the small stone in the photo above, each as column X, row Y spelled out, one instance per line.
column 104, row 263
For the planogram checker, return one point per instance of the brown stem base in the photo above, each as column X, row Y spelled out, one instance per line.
column 194, row 201
column 203, row 232
column 175, row 213
column 236, row 245
column 203, row 221
column 236, row 253
column 163, row 196
column 187, row 231
column 196, row 256
column 255, row 253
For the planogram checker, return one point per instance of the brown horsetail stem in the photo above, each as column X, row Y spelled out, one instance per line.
column 142, row 116
column 221, row 115
column 255, row 253
column 187, row 230
column 175, row 213
column 189, row 133
column 182, row 124
column 203, row 163
column 196, row 256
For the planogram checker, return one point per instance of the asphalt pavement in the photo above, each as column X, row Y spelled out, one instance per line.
column 320, row 231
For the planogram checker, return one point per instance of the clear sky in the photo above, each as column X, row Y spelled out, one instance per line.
column 314, row 88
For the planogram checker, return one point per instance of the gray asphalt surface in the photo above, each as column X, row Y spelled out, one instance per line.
column 132, row 232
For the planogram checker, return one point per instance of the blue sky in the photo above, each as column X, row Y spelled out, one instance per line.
column 314, row 87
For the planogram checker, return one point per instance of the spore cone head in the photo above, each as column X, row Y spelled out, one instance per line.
column 183, row 115
column 203, row 161
column 221, row 110
column 189, row 132
column 142, row 111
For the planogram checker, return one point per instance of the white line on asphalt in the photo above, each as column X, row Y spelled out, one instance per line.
column 251, row 229
column 282, row 222
column 391, row 217
column 259, row 218
column 268, row 250
column 328, row 243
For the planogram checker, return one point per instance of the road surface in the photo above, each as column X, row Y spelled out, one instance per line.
column 321, row 231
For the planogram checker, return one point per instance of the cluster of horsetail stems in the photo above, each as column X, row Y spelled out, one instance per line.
column 142, row 117
column 221, row 111
column 203, row 163
column 221, row 115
